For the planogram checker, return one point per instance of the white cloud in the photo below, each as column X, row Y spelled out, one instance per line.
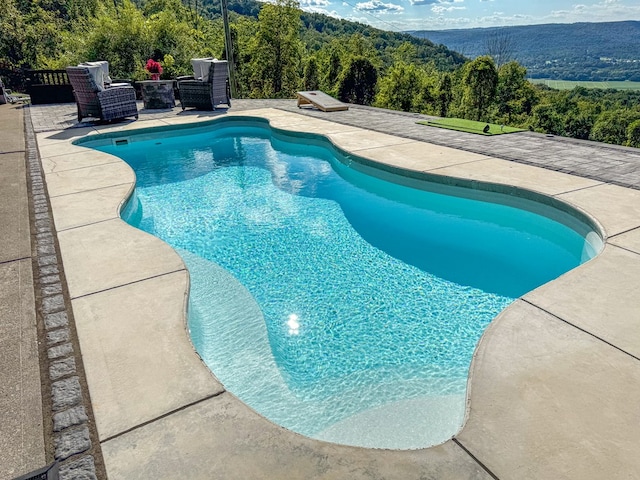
column 379, row 6
column 603, row 11
column 314, row 3
column 323, row 11
column 439, row 9
column 434, row 23
column 367, row 20
column 438, row 4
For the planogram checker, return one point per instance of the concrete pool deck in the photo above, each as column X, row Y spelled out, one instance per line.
column 555, row 388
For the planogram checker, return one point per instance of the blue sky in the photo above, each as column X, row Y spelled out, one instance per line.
column 401, row 15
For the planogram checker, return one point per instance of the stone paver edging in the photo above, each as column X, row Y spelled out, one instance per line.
column 524, row 421
column 75, row 442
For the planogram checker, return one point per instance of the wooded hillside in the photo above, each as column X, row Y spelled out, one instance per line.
column 605, row 51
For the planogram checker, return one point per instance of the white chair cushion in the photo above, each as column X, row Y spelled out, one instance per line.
column 99, row 71
column 201, row 68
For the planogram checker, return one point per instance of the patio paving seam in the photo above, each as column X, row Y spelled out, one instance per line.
column 160, row 275
column 11, row 152
column 581, row 329
column 4, row 262
column 84, row 224
column 79, row 168
column 622, row 233
column 626, row 249
column 164, row 415
column 446, row 167
column 587, row 187
column 90, row 189
column 475, row 459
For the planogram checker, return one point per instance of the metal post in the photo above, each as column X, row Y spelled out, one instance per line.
column 229, row 48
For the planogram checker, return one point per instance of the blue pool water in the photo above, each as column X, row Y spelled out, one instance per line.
column 334, row 302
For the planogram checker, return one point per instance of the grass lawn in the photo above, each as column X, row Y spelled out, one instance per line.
column 470, row 126
column 570, row 85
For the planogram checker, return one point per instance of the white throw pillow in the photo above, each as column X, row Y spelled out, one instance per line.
column 99, row 71
column 201, row 68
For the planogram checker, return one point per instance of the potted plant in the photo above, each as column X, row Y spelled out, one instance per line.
column 154, row 68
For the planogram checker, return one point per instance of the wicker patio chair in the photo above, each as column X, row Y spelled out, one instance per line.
column 207, row 94
column 98, row 102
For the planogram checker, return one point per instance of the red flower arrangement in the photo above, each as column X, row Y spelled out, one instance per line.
column 154, row 68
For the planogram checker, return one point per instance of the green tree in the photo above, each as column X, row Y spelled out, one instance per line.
column 515, row 95
column 406, row 52
column 170, row 34
column 34, row 33
column 12, row 34
column 360, row 46
column 445, row 94
column 124, row 41
column 633, row 134
column 310, row 77
column 428, row 97
column 237, row 68
column 401, row 87
column 276, row 51
column 547, row 119
column 358, row 82
column 580, row 119
column 612, row 125
column 579, row 126
column 331, row 65
column 243, row 31
column 480, row 82
column 30, row 32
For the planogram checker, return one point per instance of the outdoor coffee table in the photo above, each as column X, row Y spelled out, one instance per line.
column 158, row 94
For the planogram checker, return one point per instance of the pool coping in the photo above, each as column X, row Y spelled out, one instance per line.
column 123, row 424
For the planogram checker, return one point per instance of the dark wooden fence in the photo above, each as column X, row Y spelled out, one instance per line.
column 48, row 86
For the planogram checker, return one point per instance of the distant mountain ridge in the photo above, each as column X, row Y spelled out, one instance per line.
column 577, row 51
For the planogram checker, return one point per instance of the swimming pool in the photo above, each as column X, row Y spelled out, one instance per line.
column 339, row 301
